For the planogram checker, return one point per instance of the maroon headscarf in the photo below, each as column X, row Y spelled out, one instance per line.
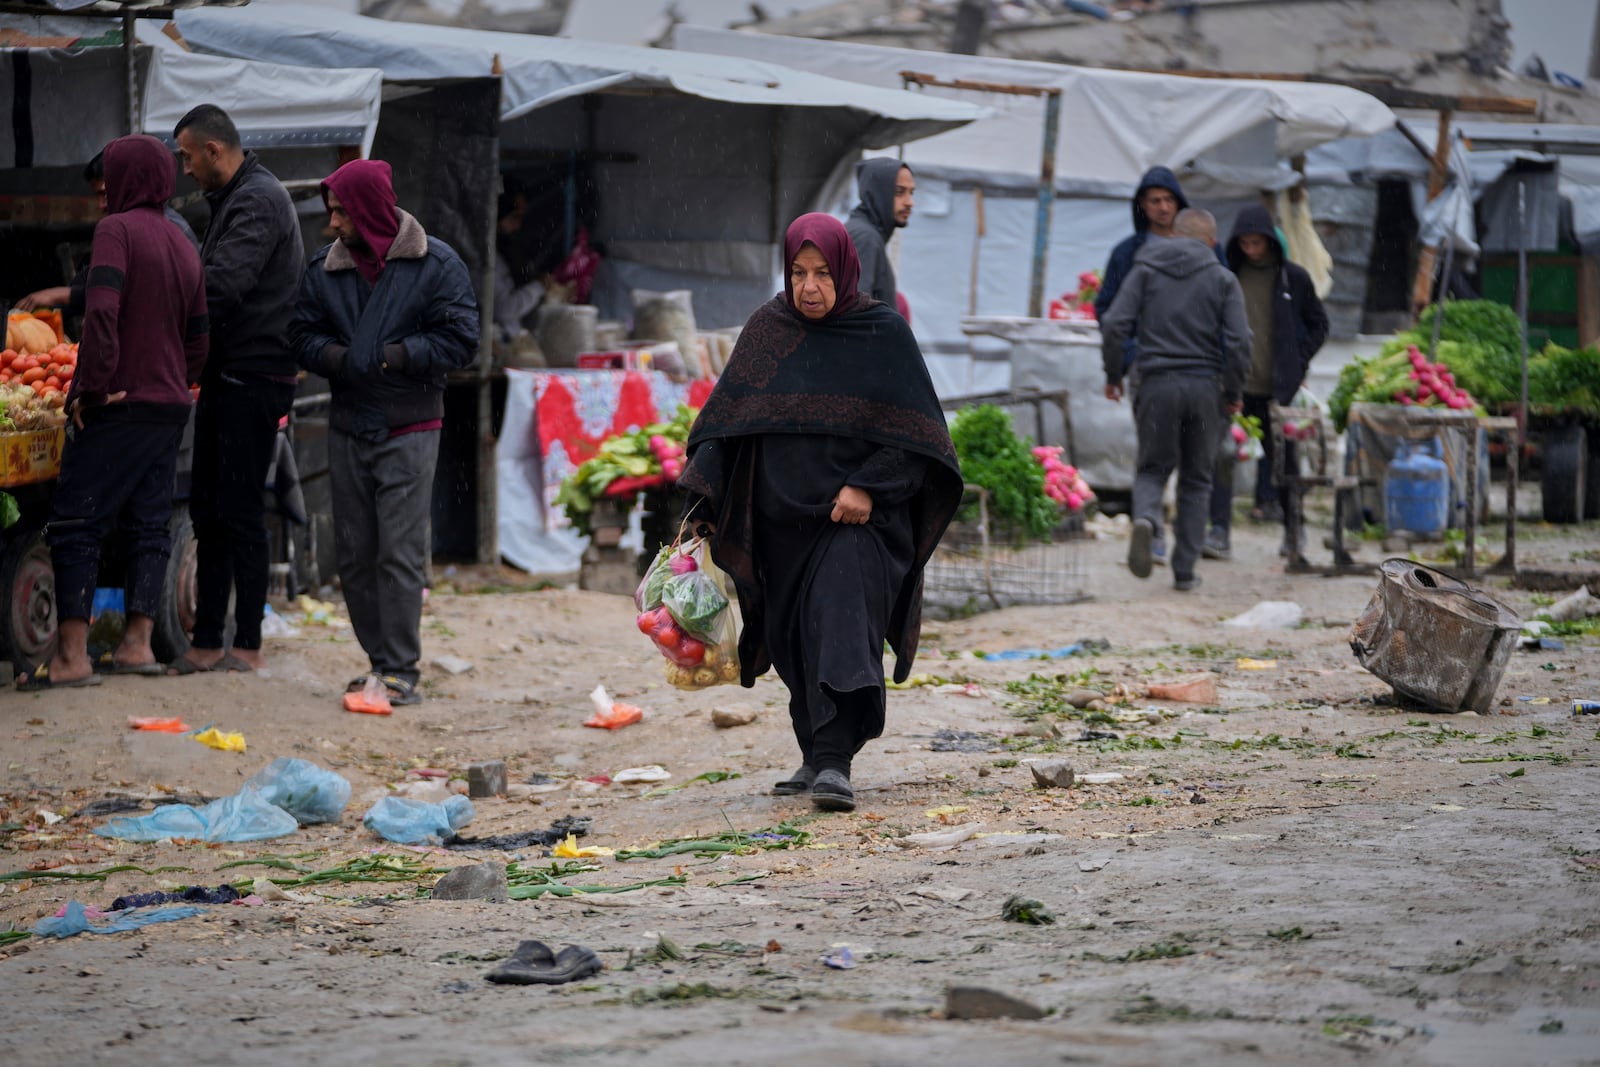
column 365, row 188
column 838, row 251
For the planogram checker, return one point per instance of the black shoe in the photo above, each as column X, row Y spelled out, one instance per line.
column 1216, row 546
column 1139, row 554
column 797, row 783
column 1185, row 585
column 534, row 964
column 831, row 791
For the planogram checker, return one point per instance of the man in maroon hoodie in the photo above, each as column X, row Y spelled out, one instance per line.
column 144, row 341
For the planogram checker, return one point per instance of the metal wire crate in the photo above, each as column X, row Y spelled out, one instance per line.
column 977, row 568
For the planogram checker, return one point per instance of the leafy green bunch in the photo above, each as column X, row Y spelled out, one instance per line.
column 994, row 457
column 631, row 460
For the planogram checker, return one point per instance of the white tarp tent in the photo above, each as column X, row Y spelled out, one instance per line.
column 1227, row 139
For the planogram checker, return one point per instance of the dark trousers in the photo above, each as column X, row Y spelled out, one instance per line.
column 382, row 496
column 235, row 434
column 1179, row 418
column 109, row 469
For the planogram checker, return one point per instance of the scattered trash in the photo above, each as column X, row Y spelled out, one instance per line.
column 1100, row 778
column 1586, row 707
column 971, row 1002
column 157, row 724
column 319, row 612
column 946, row 895
column 74, row 919
column 268, row 890
column 371, row 699
column 414, row 822
column 709, row 776
column 245, row 816
column 1053, row 774
column 963, row 741
column 840, row 958
column 1199, row 689
column 641, row 775
column 1082, row 698
column 222, row 742
column 1085, row 645
column 1579, row 604
column 534, row 964
column 1089, row 866
column 1021, row 909
column 575, row 825
column 916, row 681
column 569, row 849
column 938, row 840
column 727, row 718
column 50, row 818
column 486, row 779
column 481, row 881
column 452, row 665
column 608, row 715
column 1099, row 735
column 1269, row 615
column 1541, row 644
column 1246, row 663
column 944, row 811
column 194, row 894
column 304, row 790
column 275, row 625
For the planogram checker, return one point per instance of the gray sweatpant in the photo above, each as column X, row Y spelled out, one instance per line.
column 1179, row 419
column 382, row 496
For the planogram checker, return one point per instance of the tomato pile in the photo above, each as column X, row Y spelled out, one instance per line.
column 48, row 374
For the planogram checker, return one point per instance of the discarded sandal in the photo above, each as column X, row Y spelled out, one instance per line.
column 831, row 791
column 534, row 964
column 797, row 783
column 38, row 680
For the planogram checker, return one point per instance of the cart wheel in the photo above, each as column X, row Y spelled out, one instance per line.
column 28, row 624
column 1566, row 456
column 174, row 620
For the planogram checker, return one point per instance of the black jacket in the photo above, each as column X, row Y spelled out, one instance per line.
column 253, row 257
column 385, row 349
column 1299, row 323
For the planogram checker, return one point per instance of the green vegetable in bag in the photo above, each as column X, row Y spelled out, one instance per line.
column 648, row 597
column 694, row 601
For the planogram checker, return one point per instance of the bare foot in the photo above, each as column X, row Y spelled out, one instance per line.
column 251, row 656
column 196, row 659
column 134, row 649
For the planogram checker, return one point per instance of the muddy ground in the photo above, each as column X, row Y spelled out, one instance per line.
column 1297, row 872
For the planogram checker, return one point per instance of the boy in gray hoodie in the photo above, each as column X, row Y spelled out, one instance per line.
column 1194, row 352
column 888, row 190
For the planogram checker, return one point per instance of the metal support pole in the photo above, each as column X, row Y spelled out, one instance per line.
column 1519, row 438
column 130, row 70
column 1047, row 196
column 1438, row 304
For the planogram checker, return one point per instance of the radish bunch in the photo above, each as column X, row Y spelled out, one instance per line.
column 670, row 453
column 1062, row 482
column 1432, row 384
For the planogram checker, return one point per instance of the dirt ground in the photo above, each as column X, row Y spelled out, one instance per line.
column 1299, row 872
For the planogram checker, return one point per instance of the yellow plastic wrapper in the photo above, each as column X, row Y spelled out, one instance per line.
column 570, row 850
column 1245, row 663
column 215, row 738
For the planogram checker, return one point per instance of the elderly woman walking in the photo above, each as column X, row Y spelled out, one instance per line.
column 822, row 469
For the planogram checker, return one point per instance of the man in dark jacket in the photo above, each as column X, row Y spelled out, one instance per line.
column 1194, row 350
column 385, row 313
column 144, row 341
column 1287, row 326
column 253, row 256
column 888, row 191
column 1156, row 204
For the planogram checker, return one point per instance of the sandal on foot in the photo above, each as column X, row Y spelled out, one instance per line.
column 798, row 782
column 184, row 665
column 108, row 665
column 232, row 664
column 401, row 692
column 831, row 791
column 534, row 964
column 38, row 680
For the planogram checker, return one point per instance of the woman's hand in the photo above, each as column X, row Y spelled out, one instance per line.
column 852, row 506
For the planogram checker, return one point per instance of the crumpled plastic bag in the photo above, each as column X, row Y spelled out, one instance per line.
column 245, row 816
column 417, row 822
column 222, row 742
column 74, row 919
column 609, row 715
column 304, row 790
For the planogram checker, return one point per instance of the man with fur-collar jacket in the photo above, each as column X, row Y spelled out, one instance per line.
column 385, row 313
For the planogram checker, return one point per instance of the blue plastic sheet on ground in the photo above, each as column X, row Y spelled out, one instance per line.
column 302, row 789
column 1037, row 653
column 417, row 822
column 76, row 922
column 245, row 816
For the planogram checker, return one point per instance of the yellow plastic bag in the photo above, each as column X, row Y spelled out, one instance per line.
column 215, row 738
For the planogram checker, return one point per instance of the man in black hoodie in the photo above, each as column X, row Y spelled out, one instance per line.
column 1287, row 327
column 253, row 254
column 1194, row 349
column 888, row 189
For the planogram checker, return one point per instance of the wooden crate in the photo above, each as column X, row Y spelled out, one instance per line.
column 29, row 456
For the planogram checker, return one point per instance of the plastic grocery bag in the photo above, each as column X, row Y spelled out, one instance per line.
column 694, row 626
column 417, row 822
column 648, row 596
column 302, row 789
column 245, row 816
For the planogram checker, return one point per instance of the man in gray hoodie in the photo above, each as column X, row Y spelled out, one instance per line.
column 1194, row 352
column 887, row 192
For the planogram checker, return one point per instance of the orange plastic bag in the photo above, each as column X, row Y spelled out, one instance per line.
column 371, row 699
column 159, row 725
column 1201, row 689
column 611, row 716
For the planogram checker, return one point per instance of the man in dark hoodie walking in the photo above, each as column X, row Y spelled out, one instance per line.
column 888, row 189
column 1287, row 327
column 253, row 254
column 385, row 313
column 144, row 341
column 1194, row 350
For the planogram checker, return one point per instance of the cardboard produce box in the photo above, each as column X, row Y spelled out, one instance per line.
column 28, row 456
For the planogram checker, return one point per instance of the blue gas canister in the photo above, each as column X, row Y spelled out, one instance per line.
column 1416, row 490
